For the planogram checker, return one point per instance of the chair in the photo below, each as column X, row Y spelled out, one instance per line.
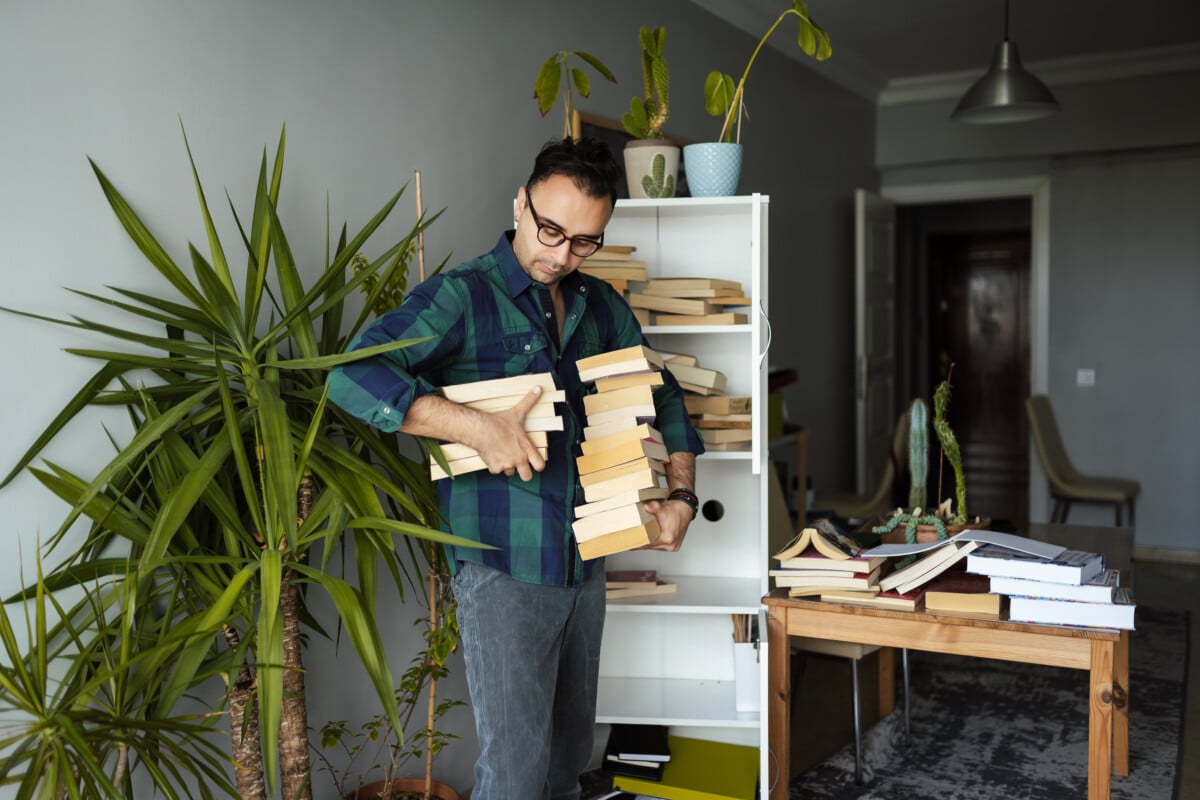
column 1067, row 484
column 854, row 652
column 848, row 505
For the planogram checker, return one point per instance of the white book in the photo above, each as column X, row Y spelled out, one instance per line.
column 1008, row 540
column 1117, row 614
column 1099, row 589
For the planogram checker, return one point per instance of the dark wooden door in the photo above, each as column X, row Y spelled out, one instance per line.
column 979, row 309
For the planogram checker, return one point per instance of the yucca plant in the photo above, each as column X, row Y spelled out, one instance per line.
column 237, row 474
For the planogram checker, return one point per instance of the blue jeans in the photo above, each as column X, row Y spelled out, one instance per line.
column 533, row 661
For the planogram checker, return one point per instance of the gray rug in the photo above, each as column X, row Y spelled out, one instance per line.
column 997, row 730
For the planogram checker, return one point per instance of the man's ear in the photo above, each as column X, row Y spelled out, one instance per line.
column 518, row 204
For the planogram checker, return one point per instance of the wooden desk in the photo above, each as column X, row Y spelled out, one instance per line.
column 1103, row 653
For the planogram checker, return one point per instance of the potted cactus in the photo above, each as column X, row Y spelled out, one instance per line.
column 651, row 162
column 921, row 523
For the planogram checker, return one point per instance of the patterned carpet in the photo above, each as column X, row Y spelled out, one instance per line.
column 998, row 730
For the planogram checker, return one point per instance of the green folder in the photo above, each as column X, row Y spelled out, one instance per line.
column 701, row 770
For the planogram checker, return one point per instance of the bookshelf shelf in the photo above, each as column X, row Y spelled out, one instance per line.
column 668, row 659
column 671, row 701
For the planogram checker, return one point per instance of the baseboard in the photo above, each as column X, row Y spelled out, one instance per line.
column 1166, row 555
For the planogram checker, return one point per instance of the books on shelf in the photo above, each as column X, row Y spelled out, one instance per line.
column 640, row 751
column 698, row 376
column 961, row 592
column 723, row 421
column 903, row 601
column 672, row 286
column 616, row 251
column 1100, row 589
column 721, row 404
column 1071, row 566
column 1117, row 614
column 619, row 362
column 629, row 578
column 659, row 587
column 925, row 569
column 671, row 305
column 717, row 318
column 630, row 270
column 824, row 537
column 725, row 435
column 700, row 769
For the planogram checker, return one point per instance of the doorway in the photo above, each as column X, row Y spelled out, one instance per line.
column 965, row 269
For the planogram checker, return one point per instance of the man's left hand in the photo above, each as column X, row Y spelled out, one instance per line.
column 673, row 519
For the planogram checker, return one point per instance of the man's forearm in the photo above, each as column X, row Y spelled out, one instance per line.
column 681, row 470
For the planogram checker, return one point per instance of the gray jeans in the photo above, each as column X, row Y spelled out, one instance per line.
column 533, row 660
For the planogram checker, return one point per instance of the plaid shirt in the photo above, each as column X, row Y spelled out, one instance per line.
column 487, row 319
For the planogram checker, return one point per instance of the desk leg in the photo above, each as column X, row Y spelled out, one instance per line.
column 1121, row 692
column 1100, row 721
column 887, row 681
column 779, row 702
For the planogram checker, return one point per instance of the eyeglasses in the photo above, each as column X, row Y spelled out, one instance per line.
column 547, row 234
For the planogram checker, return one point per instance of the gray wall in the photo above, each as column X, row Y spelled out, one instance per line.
column 369, row 90
column 1124, row 274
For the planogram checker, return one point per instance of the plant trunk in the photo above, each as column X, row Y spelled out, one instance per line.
column 244, row 731
column 434, row 593
column 294, row 767
column 293, row 717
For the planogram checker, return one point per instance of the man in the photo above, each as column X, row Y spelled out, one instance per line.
column 531, row 611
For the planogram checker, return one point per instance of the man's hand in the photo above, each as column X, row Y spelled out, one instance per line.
column 503, row 444
column 673, row 520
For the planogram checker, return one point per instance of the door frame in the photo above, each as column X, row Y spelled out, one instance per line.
column 1037, row 188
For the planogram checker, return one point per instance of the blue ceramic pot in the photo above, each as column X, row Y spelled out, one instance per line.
column 712, row 168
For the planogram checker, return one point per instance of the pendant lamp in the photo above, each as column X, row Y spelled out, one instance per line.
column 1007, row 93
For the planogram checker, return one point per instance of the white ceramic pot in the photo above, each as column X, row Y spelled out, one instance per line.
column 651, row 168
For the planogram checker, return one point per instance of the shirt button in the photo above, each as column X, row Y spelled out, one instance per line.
column 572, row 316
column 526, row 347
column 387, row 410
column 547, row 315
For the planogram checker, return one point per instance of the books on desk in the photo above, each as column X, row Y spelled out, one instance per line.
column 928, row 567
column 1117, row 614
column 959, row 592
column 1071, row 566
column 908, row 601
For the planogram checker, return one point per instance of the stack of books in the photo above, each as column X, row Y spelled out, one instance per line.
column 615, row 264
column 723, row 421
column 500, row 394
column 1072, row 588
column 692, row 301
column 621, row 584
column 823, row 558
column 639, row 751
column 623, row 455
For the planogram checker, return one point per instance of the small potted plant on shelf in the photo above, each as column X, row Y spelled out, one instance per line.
column 651, row 162
column 556, row 72
column 713, row 168
column 919, row 524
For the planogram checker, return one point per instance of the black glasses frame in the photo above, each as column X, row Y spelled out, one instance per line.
column 547, row 234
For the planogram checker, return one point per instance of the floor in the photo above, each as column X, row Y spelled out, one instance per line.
column 1172, row 585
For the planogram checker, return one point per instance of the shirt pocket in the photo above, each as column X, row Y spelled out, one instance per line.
column 522, row 349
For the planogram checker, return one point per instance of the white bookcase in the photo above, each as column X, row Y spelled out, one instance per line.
column 668, row 660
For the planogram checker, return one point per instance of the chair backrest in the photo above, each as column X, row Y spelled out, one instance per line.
column 881, row 499
column 1059, row 469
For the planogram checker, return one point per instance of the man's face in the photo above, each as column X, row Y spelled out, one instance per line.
column 563, row 209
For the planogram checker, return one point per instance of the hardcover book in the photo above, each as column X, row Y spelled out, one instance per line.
column 961, row 592
column 1099, row 589
column 1072, row 566
column 1117, row 614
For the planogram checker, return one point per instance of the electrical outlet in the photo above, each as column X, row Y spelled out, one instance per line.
column 1085, row 378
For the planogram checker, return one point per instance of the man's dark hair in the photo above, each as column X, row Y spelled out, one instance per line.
column 587, row 162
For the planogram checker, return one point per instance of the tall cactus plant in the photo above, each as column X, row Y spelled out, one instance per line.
column 941, row 399
column 918, row 454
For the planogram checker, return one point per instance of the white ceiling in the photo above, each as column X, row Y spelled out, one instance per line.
column 886, row 49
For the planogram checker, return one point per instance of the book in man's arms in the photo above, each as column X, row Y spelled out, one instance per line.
column 621, row 454
column 961, row 592
column 910, row 601
column 636, row 395
column 642, row 495
column 617, row 519
column 1117, row 614
column 518, row 385
column 588, row 479
column 926, row 568
column 641, row 478
column 625, row 381
column 826, row 538
column 1071, row 566
column 637, row 432
column 1099, row 589
column 618, row 541
column 619, row 362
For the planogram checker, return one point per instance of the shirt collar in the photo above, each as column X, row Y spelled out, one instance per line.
column 515, row 278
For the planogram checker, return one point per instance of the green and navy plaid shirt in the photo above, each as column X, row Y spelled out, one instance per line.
column 487, row 319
